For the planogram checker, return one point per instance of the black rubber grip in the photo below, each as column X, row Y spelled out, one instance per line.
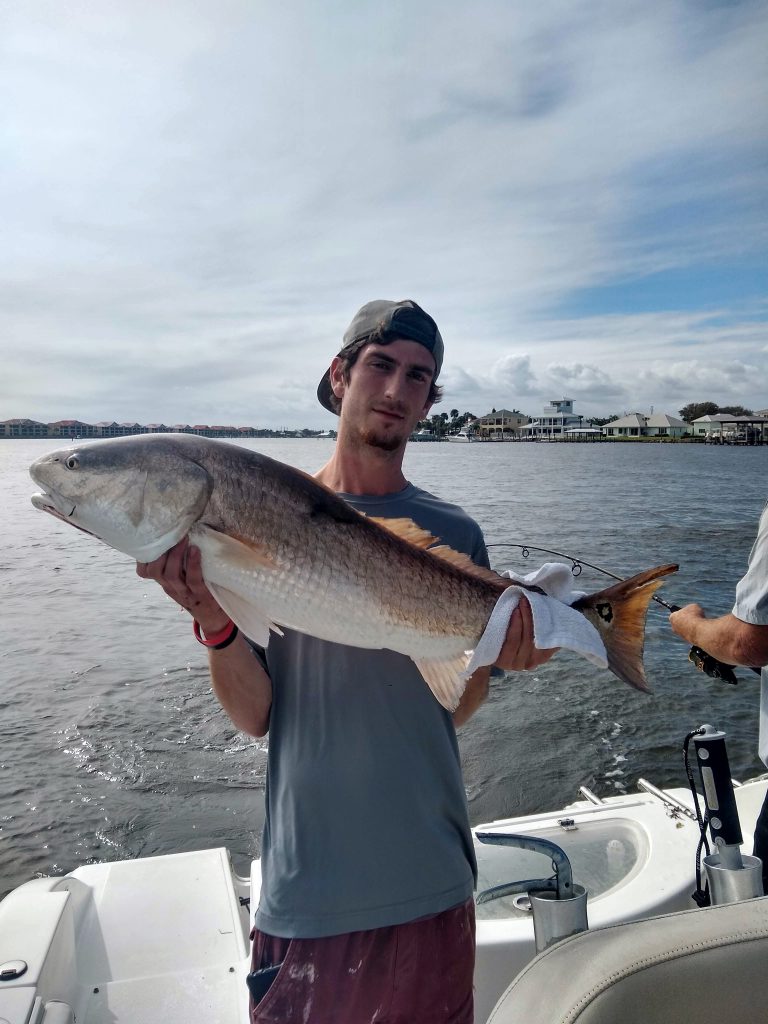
column 715, row 771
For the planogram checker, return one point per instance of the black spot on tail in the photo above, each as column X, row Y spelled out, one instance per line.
column 605, row 611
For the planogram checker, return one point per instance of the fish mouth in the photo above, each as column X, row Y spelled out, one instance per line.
column 46, row 503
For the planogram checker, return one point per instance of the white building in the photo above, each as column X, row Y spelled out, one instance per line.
column 725, row 426
column 659, row 424
column 557, row 418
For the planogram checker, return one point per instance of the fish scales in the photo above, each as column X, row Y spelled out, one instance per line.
column 390, row 590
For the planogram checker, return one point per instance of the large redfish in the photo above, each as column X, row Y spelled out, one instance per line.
column 280, row 549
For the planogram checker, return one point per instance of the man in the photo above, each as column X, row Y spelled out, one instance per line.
column 741, row 638
column 367, row 858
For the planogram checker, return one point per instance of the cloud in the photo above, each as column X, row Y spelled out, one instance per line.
column 580, row 379
column 727, row 383
column 195, row 201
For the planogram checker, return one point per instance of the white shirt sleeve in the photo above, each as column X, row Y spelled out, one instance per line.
column 752, row 606
column 752, row 590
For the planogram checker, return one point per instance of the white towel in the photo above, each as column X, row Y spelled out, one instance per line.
column 555, row 623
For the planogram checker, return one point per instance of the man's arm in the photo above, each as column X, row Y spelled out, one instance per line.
column 726, row 638
column 240, row 683
column 474, row 694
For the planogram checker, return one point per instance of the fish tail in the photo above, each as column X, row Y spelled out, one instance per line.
column 618, row 613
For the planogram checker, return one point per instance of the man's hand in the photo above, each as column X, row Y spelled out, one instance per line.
column 724, row 637
column 684, row 621
column 180, row 574
column 518, row 651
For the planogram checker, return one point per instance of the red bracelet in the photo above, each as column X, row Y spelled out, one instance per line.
column 221, row 639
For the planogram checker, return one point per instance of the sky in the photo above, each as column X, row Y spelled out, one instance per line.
column 197, row 195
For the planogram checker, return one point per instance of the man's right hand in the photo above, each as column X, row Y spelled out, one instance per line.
column 179, row 572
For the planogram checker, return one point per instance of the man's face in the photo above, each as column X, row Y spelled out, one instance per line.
column 387, row 392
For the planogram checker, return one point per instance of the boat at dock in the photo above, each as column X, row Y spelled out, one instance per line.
column 165, row 939
column 462, row 437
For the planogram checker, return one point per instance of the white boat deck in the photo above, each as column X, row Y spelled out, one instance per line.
column 164, row 940
column 152, row 941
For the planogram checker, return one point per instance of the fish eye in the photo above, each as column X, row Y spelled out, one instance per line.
column 72, row 462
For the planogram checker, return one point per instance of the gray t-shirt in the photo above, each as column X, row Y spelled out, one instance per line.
column 366, row 814
column 752, row 606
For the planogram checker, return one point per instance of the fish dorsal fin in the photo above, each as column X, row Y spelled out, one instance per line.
column 464, row 562
column 444, row 678
column 406, row 529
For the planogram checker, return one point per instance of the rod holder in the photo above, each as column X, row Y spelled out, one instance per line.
column 729, row 885
column 555, row 919
column 559, row 905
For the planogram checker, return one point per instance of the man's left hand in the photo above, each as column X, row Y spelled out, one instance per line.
column 518, row 651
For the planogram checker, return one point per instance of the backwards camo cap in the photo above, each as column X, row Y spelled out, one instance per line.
column 405, row 319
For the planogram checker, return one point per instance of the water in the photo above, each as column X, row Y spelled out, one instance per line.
column 112, row 745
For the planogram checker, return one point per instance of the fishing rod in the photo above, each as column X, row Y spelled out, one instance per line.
column 704, row 662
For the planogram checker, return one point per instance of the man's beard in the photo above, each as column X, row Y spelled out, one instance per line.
column 389, row 443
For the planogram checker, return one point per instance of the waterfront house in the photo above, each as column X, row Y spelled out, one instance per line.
column 557, row 418
column 722, row 426
column 636, row 424
column 499, row 423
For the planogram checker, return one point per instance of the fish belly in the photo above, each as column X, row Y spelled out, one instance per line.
column 326, row 602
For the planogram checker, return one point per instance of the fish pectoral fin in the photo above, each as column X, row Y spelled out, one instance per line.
column 246, row 615
column 444, row 678
column 235, row 555
column 232, row 548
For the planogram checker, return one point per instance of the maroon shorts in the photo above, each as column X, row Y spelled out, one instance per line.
column 414, row 973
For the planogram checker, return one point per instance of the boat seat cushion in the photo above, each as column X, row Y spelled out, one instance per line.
column 707, row 966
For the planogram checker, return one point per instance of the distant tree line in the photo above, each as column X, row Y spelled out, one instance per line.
column 693, row 410
column 443, row 423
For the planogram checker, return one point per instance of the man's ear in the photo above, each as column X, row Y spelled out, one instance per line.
column 425, row 410
column 338, row 384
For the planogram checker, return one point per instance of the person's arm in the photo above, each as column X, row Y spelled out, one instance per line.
column 474, row 694
column 726, row 638
column 241, row 684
